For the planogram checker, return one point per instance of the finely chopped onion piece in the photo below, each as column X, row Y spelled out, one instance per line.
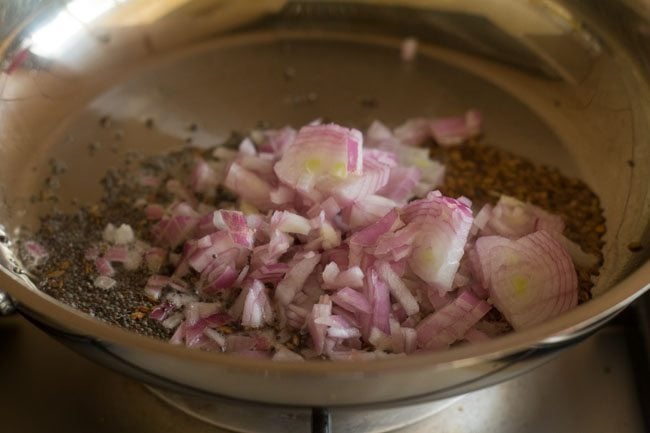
column 336, row 248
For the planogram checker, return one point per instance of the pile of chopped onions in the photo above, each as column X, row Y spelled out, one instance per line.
column 348, row 246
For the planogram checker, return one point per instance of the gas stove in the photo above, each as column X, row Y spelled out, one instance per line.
column 592, row 387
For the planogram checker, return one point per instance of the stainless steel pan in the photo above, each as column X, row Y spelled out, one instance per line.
column 563, row 83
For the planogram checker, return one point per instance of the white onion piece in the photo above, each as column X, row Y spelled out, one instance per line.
column 319, row 153
column 530, row 280
column 257, row 307
column 351, row 277
column 104, row 282
column 398, row 289
column 289, row 222
column 217, row 336
column 330, row 273
column 513, row 219
column 368, row 210
column 124, row 235
column 381, row 340
column 401, row 183
column 317, row 331
column 351, row 300
column 246, row 147
column 444, row 224
column 109, row 233
column 248, row 186
column 376, row 172
column 377, row 134
column 294, row 280
column 203, row 177
column 431, row 172
column 133, row 260
column 282, row 195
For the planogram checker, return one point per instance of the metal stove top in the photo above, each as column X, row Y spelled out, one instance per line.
column 46, row 387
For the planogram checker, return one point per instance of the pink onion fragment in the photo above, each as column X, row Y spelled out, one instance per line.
column 450, row 323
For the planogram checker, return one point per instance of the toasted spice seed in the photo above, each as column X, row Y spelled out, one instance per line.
column 105, row 121
column 137, row 315
column 635, row 247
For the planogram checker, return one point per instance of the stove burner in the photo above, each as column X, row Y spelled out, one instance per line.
column 246, row 419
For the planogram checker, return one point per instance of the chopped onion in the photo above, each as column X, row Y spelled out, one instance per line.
column 118, row 253
column 279, row 141
column 444, row 224
column 203, row 177
column 248, row 186
column 173, row 231
column 351, row 300
column 271, row 273
column 36, row 253
column 104, row 267
column 530, row 280
column 371, row 234
column 376, row 172
column 320, row 311
column 318, row 154
column 104, row 282
column 257, row 307
column 378, row 295
column 398, row 289
column 513, row 218
column 295, row 278
column 449, row 131
column 289, row 222
column 154, row 257
column 368, row 210
column 450, row 323
column 401, row 183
